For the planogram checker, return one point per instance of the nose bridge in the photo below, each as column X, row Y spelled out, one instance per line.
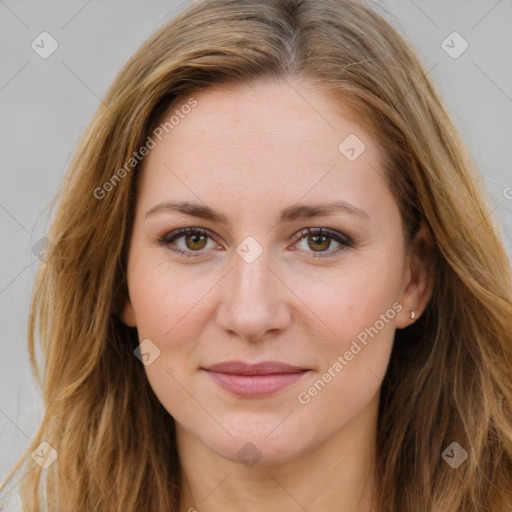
column 253, row 301
column 253, row 288
column 251, row 273
column 252, row 278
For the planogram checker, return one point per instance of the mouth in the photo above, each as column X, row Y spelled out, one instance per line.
column 254, row 380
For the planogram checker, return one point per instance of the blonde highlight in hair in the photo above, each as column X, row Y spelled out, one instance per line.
column 450, row 374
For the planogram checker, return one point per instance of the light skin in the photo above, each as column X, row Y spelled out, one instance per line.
column 249, row 152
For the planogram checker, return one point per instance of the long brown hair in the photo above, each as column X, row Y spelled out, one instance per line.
column 450, row 375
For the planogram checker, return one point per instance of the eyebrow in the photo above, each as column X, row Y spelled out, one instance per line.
column 289, row 214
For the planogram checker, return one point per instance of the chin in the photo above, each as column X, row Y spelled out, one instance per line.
column 263, row 444
column 255, row 452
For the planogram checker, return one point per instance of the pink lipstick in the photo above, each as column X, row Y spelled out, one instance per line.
column 254, row 380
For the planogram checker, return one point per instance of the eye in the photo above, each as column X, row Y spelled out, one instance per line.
column 194, row 240
column 320, row 239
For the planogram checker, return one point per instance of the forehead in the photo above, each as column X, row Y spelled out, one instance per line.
column 268, row 111
column 265, row 140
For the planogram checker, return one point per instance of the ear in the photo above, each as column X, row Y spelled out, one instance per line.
column 418, row 282
column 128, row 314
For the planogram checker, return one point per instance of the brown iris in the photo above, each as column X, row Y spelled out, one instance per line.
column 321, row 242
column 198, row 241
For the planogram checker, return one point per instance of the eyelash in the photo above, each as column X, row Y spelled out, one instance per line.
column 344, row 240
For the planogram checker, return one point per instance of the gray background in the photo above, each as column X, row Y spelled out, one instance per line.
column 46, row 103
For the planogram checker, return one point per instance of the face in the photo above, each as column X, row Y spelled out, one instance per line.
column 267, row 271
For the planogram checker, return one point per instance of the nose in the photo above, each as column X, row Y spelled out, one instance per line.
column 255, row 301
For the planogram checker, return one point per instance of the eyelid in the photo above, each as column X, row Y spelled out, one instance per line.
column 344, row 240
column 172, row 235
column 332, row 233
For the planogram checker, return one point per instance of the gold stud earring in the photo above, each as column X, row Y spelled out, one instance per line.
column 413, row 315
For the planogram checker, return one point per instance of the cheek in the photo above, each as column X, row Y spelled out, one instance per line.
column 355, row 311
column 347, row 301
column 165, row 297
column 169, row 309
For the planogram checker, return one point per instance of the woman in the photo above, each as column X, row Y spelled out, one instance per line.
column 273, row 282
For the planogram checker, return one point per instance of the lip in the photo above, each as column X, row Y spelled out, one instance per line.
column 254, row 380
